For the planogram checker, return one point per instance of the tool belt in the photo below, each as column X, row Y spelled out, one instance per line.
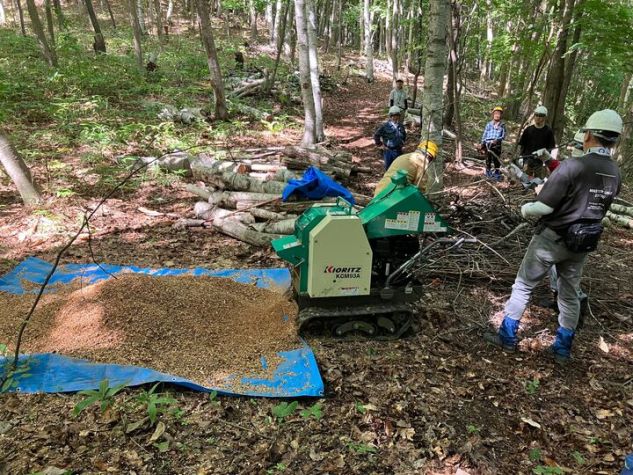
column 580, row 237
column 583, row 236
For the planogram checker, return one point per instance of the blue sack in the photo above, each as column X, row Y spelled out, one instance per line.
column 315, row 185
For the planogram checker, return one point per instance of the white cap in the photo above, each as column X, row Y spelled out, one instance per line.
column 393, row 110
column 606, row 120
column 541, row 110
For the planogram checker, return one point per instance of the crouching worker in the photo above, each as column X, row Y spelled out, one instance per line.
column 391, row 136
column 414, row 163
column 570, row 208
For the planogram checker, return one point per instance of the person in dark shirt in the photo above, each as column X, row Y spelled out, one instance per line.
column 391, row 136
column 538, row 138
column 570, row 206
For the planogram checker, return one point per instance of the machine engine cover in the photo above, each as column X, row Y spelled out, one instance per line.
column 340, row 258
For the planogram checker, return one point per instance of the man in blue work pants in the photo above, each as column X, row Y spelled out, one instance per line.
column 391, row 136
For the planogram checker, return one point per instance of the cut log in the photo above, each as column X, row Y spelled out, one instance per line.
column 623, row 221
column 261, row 213
column 238, row 199
column 203, row 193
column 242, row 232
column 285, row 226
column 188, row 223
column 208, row 212
column 202, row 166
column 251, row 111
column 237, row 182
column 620, row 209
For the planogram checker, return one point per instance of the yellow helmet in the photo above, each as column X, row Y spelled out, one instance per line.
column 497, row 108
column 428, row 147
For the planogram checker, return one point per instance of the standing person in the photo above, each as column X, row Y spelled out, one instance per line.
column 576, row 152
column 536, row 139
column 398, row 98
column 570, row 206
column 390, row 136
column 491, row 140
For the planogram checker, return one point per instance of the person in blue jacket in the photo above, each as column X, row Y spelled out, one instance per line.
column 390, row 136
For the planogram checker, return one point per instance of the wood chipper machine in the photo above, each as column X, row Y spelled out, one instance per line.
column 352, row 272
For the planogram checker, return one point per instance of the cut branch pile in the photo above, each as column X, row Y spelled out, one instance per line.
column 242, row 196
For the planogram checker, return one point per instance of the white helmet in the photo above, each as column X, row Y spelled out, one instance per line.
column 541, row 110
column 579, row 137
column 394, row 110
column 606, row 120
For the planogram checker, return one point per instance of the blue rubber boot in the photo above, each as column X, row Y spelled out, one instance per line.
column 488, row 173
column 561, row 349
column 497, row 176
column 506, row 337
column 628, row 465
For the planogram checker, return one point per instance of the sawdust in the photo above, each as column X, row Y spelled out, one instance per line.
column 200, row 328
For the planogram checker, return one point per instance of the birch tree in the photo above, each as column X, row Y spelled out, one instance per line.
column 212, row 60
column 314, row 70
column 137, row 33
column 307, row 95
column 433, row 100
column 369, row 47
column 18, row 172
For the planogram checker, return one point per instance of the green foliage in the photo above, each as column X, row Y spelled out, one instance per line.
column 532, row 386
column 155, row 403
column 64, row 193
column 362, row 448
column 315, row 411
column 283, row 410
column 546, row 470
column 360, row 407
column 104, row 396
column 278, row 468
column 14, row 375
column 535, row 455
column 578, row 458
column 472, row 429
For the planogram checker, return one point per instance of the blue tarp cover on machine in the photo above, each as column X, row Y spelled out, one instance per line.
column 297, row 375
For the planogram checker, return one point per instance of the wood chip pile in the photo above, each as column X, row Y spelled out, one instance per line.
column 201, row 328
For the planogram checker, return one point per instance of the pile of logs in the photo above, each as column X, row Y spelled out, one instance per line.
column 620, row 214
column 242, row 197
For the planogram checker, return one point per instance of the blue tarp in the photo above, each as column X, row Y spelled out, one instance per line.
column 314, row 185
column 297, row 374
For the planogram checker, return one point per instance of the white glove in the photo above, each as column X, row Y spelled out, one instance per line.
column 542, row 152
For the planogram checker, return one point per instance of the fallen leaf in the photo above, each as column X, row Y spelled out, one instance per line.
column 603, row 345
column 160, row 430
column 530, row 422
column 316, row 456
column 604, row 413
column 406, row 433
column 609, row 458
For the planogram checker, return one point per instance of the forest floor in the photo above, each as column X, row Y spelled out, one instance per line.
column 438, row 402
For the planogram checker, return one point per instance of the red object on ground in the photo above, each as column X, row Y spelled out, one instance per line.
column 553, row 164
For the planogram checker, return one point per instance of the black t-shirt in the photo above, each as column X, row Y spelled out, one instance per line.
column 580, row 189
column 533, row 139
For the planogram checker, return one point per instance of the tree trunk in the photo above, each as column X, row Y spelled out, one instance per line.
column 556, row 72
column 36, row 24
column 309, row 127
column 99, row 43
column 280, row 45
column 369, row 47
column 314, row 70
column 395, row 40
column 453, row 40
column 339, row 35
column 252, row 18
column 18, row 4
column 136, row 28
column 3, row 16
column 159, row 20
column 109, row 8
column 432, row 103
column 217, row 82
column 141, row 16
column 61, row 22
column 570, row 64
column 277, row 22
column 18, row 172
column 49, row 21
column 486, row 65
